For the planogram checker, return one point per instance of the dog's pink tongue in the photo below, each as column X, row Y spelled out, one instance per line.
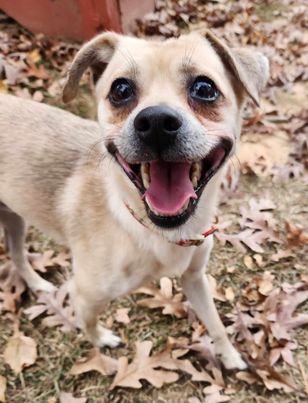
column 170, row 186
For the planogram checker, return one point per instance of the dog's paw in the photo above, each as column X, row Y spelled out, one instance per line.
column 233, row 360
column 46, row 286
column 107, row 338
column 39, row 284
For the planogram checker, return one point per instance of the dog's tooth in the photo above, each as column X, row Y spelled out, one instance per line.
column 194, row 180
column 195, row 173
column 145, row 174
column 146, row 181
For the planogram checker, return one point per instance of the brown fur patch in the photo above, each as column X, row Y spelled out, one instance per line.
column 120, row 114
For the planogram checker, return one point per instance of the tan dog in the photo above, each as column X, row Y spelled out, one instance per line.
column 129, row 199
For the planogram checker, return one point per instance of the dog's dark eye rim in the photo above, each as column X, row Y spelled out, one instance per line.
column 122, row 91
column 203, row 89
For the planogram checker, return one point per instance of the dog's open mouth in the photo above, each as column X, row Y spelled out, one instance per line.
column 171, row 190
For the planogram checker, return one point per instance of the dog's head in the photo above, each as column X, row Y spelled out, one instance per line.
column 170, row 112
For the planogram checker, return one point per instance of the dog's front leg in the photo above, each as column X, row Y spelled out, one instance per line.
column 198, row 292
column 89, row 301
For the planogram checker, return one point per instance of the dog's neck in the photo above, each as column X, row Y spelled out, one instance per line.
column 196, row 241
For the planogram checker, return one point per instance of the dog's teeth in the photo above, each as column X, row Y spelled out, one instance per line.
column 194, row 181
column 195, row 173
column 146, row 181
column 184, row 207
column 145, row 174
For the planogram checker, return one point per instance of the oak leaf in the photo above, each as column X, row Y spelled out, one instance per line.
column 69, row 398
column 56, row 306
column 11, row 287
column 20, row 351
column 144, row 366
column 41, row 261
column 121, row 315
column 163, row 298
column 296, row 235
column 2, row 388
column 95, row 361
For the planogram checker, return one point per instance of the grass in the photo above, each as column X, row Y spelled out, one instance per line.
column 58, row 351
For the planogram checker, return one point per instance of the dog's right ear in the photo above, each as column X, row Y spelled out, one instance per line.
column 95, row 54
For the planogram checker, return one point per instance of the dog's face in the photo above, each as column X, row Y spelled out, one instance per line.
column 170, row 112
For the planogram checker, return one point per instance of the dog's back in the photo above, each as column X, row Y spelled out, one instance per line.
column 40, row 147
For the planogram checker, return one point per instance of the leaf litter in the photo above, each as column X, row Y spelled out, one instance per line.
column 265, row 316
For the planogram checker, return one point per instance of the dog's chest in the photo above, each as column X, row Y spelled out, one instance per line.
column 160, row 258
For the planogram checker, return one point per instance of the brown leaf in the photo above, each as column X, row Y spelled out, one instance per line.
column 144, row 366
column 282, row 254
column 248, row 377
column 229, row 294
column 296, row 235
column 217, row 292
column 216, row 398
column 69, row 398
column 2, row 388
column 41, row 261
column 56, row 306
column 273, row 380
column 163, row 298
column 20, row 351
column 205, row 347
column 256, row 155
column 286, row 305
column 248, row 262
column 304, row 376
column 250, row 238
column 121, row 315
column 95, row 361
column 284, row 352
column 11, row 287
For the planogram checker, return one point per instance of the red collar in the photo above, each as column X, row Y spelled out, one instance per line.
column 182, row 242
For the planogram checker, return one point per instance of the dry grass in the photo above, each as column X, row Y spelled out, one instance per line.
column 58, row 351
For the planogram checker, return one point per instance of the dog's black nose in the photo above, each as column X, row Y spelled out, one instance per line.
column 157, row 126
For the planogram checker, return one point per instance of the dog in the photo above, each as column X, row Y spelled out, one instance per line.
column 135, row 196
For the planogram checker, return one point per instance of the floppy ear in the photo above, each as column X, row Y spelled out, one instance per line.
column 250, row 68
column 95, row 54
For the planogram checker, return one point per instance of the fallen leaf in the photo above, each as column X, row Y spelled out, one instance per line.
column 284, row 352
column 296, row 235
column 41, row 261
column 56, row 306
column 250, row 238
column 3, row 382
column 206, row 349
column 163, row 298
column 11, row 287
column 256, row 152
column 145, row 367
column 121, row 315
column 69, row 398
column 304, row 376
column 248, row 262
column 216, row 398
column 95, row 361
column 282, row 254
column 248, row 377
column 20, row 351
column 229, row 294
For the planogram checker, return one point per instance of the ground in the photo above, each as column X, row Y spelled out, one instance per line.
column 277, row 29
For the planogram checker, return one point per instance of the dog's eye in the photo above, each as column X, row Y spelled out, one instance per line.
column 122, row 91
column 204, row 89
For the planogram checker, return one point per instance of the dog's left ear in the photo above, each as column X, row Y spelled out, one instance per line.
column 95, row 54
column 250, row 68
